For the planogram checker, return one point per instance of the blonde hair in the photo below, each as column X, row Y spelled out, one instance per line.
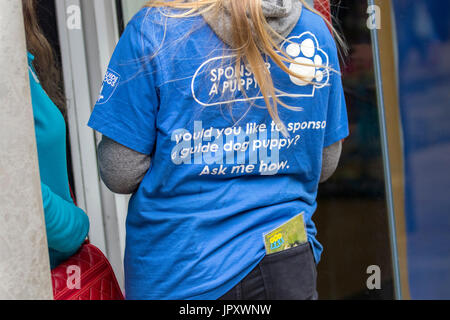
column 251, row 40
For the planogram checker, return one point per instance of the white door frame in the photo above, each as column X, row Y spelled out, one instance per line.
column 86, row 49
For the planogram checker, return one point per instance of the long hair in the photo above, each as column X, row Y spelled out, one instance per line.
column 251, row 40
column 44, row 62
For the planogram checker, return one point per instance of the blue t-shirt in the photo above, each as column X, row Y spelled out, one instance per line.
column 222, row 173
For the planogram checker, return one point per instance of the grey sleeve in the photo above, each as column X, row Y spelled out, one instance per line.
column 121, row 169
column 331, row 156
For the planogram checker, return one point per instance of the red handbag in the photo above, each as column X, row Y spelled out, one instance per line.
column 96, row 277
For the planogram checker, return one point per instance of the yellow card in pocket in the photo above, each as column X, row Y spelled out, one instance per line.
column 289, row 235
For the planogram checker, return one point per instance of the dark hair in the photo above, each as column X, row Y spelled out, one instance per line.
column 44, row 62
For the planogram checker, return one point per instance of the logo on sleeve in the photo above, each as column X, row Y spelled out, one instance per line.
column 110, row 83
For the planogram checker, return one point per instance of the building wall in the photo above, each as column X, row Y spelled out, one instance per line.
column 24, row 262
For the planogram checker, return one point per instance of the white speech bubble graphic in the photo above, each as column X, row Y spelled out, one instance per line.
column 304, row 49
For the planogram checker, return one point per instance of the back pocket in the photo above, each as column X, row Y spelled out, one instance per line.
column 290, row 274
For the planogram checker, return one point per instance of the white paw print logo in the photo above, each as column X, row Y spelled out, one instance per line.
column 313, row 61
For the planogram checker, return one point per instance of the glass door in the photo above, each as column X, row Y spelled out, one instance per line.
column 352, row 216
column 127, row 9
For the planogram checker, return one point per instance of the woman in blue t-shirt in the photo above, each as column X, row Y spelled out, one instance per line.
column 67, row 225
column 221, row 118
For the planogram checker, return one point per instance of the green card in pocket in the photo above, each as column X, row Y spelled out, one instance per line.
column 289, row 235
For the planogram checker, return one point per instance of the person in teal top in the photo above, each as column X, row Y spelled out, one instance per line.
column 67, row 225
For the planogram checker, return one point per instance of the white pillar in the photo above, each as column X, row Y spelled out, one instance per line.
column 24, row 261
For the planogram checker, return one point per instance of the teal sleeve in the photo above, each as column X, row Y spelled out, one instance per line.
column 67, row 225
